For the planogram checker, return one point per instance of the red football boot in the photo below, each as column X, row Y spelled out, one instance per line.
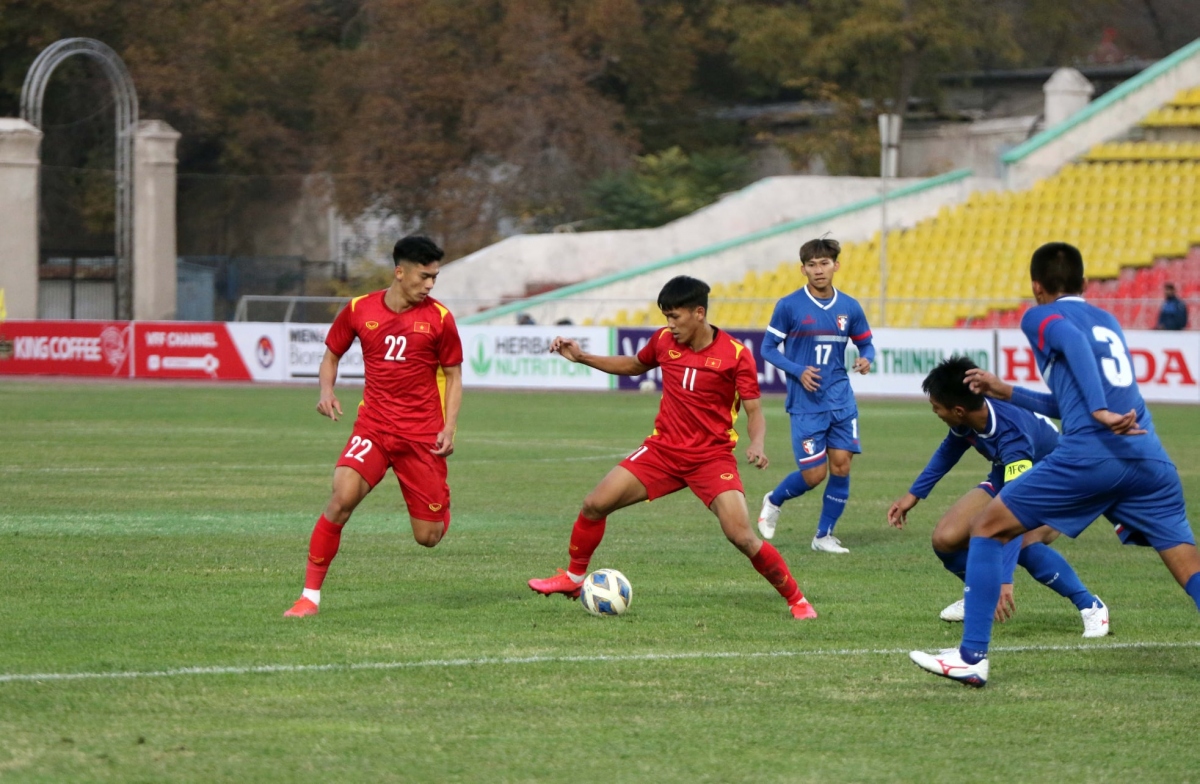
column 802, row 610
column 302, row 608
column 559, row 583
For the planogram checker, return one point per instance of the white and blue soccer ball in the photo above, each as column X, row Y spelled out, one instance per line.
column 606, row 592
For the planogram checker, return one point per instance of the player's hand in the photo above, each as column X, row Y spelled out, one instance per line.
column 1121, row 424
column 568, row 348
column 1005, row 608
column 444, row 446
column 897, row 514
column 862, row 365
column 329, row 406
column 982, row 382
column 810, row 379
column 756, row 457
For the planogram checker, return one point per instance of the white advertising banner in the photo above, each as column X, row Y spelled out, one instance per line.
column 1166, row 364
column 903, row 357
column 305, row 349
column 262, row 348
column 519, row 356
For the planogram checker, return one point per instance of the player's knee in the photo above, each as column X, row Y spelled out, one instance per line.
column 427, row 534
column 594, row 508
column 337, row 511
column 945, row 541
column 815, row 476
column 745, row 541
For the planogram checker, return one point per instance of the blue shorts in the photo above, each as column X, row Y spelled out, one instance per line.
column 1142, row 498
column 812, row 434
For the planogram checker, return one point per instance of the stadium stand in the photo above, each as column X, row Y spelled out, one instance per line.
column 1132, row 207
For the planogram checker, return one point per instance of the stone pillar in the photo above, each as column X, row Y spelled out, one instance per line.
column 154, row 252
column 1067, row 91
column 20, row 144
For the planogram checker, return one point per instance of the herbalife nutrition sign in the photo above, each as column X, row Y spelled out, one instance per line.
column 519, row 356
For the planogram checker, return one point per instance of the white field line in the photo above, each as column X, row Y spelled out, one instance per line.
column 487, row 661
column 221, row 467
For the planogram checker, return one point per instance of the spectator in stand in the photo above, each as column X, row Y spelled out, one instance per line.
column 1173, row 314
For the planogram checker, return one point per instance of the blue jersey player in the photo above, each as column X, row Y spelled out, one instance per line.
column 1109, row 460
column 1013, row 440
column 814, row 324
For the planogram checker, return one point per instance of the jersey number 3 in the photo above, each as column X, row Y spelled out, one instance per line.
column 1117, row 368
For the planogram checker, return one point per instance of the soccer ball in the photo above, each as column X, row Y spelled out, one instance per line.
column 606, row 592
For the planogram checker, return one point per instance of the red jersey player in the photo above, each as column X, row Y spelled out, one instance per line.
column 412, row 360
column 707, row 376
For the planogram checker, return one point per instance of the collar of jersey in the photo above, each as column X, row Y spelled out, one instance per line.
column 817, row 302
column 1071, row 298
column 991, row 418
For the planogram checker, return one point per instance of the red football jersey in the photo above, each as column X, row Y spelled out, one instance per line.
column 403, row 357
column 702, row 391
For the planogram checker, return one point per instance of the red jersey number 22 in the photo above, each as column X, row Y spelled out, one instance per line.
column 396, row 345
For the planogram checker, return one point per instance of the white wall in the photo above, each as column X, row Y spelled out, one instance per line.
column 731, row 265
column 499, row 272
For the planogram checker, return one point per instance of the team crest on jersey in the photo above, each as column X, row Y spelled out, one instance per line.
column 842, row 321
column 712, row 362
column 421, row 326
column 435, row 507
column 673, row 354
column 810, row 446
column 372, row 325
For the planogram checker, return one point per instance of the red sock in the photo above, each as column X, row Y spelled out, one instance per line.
column 326, row 537
column 585, row 538
column 770, row 564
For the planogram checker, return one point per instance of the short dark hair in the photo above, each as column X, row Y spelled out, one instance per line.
column 1058, row 267
column 822, row 248
column 947, row 384
column 683, row 292
column 417, row 249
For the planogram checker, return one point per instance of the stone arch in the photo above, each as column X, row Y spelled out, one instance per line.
column 125, row 101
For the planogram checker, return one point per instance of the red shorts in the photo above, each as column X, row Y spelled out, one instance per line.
column 422, row 475
column 663, row 470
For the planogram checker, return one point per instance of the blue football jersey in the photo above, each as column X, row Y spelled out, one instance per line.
column 1084, row 359
column 815, row 332
column 1013, row 441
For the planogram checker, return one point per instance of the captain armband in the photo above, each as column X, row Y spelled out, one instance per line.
column 1013, row 470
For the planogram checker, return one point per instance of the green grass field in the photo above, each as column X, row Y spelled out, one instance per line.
column 152, row 537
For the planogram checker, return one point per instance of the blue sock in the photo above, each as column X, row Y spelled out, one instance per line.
column 792, row 486
column 1008, row 560
column 1048, row 567
column 1193, row 589
column 955, row 562
column 837, row 493
column 984, row 566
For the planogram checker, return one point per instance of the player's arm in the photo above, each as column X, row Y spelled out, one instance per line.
column 771, row 341
column 444, row 445
column 756, row 429
column 861, row 337
column 1059, row 335
column 984, row 383
column 947, row 455
column 327, row 403
column 617, row 366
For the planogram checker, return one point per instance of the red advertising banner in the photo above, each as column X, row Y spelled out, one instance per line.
column 184, row 349
column 66, row 348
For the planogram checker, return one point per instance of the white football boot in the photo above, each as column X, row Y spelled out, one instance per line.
column 828, row 544
column 768, row 518
column 1095, row 619
column 955, row 612
column 949, row 663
